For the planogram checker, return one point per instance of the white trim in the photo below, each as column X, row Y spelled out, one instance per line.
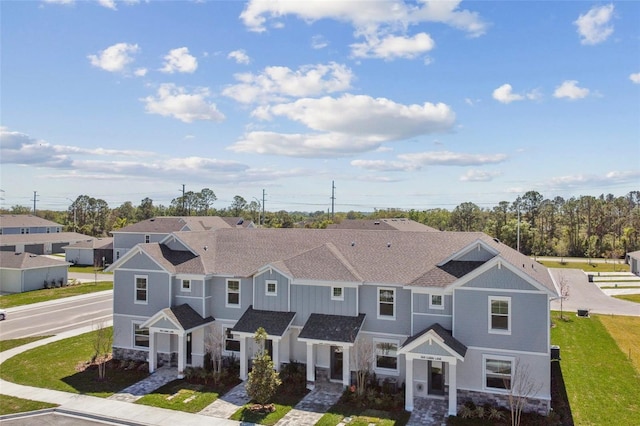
column 507, row 351
column 499, row 290
column 324, row 283
column 182, row 296
column 133, row 335
column 135, row 290
column 143, row 318
column 386, row 371
column 226, row 293
column 433, row 306
column 339, row 298
column 182, row 288
column 430, row 314
column 147, row 238
column 386, row 317
column 266, row 288
column 485, row 357
column 474, row 245
column 492, row 330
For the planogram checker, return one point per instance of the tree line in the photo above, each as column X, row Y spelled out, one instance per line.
column 584, row 226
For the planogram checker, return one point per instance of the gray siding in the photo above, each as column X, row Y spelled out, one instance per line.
column 79, row 256
column 218, row 289
column 10, row 280
column 476, row 255
column 124, row 293
column 529, row 330
column 421, row 304
column 141, row 262
column 307, row 299
column 501, row 279
column 369, row 306
column 422, row 322
column 279, row 302
column 197, row 288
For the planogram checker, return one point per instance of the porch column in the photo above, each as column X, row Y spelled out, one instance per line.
column 311, row 366
column 346, row 368
column 182, row 343
column 152, row 352
column 408, row 384
column 275, row 345
column 244, row 368
column 453, row 390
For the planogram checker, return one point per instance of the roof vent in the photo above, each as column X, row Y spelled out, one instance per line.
column 377, row 222
column 240, row 222
column 353, row 243
column 152, row 220
column 496, row 240
column 206, row 248
column 388, row 244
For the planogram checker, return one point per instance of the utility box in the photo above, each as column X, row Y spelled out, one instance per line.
column 555, row 353
column 584, row 313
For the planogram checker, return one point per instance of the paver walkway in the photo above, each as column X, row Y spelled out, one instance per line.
column 160, row 377
column 313, row 406
column 427, row 411
column 228, row 404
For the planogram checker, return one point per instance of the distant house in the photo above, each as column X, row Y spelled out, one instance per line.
column 11, row 224
column 94, row 251
column 397, row 224
column 633, row 259
column 40, row 243
column 20, row 272
column 156, row 229
column 449, row 314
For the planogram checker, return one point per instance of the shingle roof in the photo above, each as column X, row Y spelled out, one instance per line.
column 24, row 221
column 274, row 323
column 27, row 261
column 444, row 334
column 441, row 276
column 93, row 243
column 332, row 328
column 174, row 261
column 169, row 224
column 398, row 224
column 186, row 316
column 54, row 237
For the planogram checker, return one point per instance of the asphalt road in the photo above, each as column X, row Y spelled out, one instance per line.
column 49, row 318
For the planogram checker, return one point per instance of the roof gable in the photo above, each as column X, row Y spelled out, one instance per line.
column 181, row 318
column 436, row 341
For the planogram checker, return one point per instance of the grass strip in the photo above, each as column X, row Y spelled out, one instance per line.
column 587, row 267
column 630, row 297
column 46, row 294
column 5, row 345
column 54, row 366
column 13, row 405
column 181, row 395
column 625, row 330
column 601, row 382
column 283, row 404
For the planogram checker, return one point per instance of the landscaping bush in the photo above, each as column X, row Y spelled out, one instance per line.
column 294, row 378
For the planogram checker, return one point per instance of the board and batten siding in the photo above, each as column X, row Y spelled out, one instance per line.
column 310, row 299
column 369, row 305
column 158, row 292
column 500, row 278
column 278, row 302
column 477, row 254
column 218, row 292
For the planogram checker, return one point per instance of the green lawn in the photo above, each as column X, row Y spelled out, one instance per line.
column 183, row 396
column 12, row 405
column 87, row 269
column 364, row 418
column 53, row 366
column 283, row 404
column 45, row 294
column 587, row 267
column 629, row 297
column 5, row 345
column 601, row 381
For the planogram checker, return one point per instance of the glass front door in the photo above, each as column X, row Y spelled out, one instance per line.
column 435, row 370
column 336, row 362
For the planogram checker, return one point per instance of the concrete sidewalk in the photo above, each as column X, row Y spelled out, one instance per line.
column 92, row 408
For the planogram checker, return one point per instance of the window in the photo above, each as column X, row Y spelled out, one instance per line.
column 48, row 230
column 233, row 293
column 271, row 288
column 147, row 239
column 22, row 231
column 386, row 355
column 117, row 254
column 141, row 289
column 497, row 372
column 499, row 315
column 386, row 303
column 57, row 230
column 230, row 344
column 435, row 301
column 140, row 336
column 186, row 285
column 337, row 293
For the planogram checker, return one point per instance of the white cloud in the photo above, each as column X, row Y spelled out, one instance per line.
column 478, row 176
column 179, row 60
column 279, row 83
column 383, row 25
column 384, row 165
column 174, row 101
column 569, row 89
column 319, row 42
column 140, row 72
column 114, row 58
column 593, row 26
column 391, row 47
column 591, row 180
column 448, row 158
column 240, row 56
column 66, row 2
column 505, row 95
column 109, row 4
column 635, row 77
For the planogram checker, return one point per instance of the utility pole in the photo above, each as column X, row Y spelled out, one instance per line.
column 35, row 194
column 183, row 198
column 333, row 198
column 263, row 217
column 518, row 244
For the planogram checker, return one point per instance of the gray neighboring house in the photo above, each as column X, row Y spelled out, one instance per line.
column 94, row 251
column 20, row 272
column 633, row 259
column 40, row 243
column 11, row 224
column 156, row 229
column 449, row 314
column 398, row 224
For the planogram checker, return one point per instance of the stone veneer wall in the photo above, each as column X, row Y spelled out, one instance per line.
column 533, row 405
column 140, row 355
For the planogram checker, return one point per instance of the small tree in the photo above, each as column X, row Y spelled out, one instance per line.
column 563, row 286
column 263, row 380
column 102, row 347
column 522, row 386
column 362, row 360
column 214, row 344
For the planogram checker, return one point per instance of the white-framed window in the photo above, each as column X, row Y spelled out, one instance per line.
column 24, row 230
column 233, row 294
column 386, row 356
column 141, row 290
column 499, row 315
column 498, row 372
column 185, row 285
column 230, row 343
column 337, row 293
column 147, row 239
column 57, row 230
column 117, row 254
column 436, row 301
column 140, row 336
column 271, row 288
column 387, row 303
column 48, row 230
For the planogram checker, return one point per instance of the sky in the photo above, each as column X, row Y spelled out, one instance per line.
column 412, row 105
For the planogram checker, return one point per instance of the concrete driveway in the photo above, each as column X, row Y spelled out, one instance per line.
column 586, row 295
